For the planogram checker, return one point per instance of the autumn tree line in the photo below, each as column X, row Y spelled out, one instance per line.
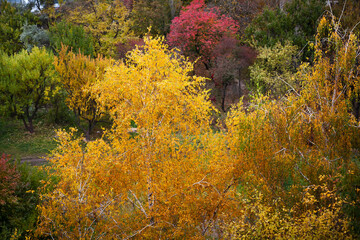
column 177, row 159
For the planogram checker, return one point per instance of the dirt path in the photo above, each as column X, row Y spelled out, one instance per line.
column 34, row 161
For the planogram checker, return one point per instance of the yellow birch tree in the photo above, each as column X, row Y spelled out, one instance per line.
column 160, row 181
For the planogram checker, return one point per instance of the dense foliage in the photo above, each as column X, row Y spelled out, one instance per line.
column 155, row 13
column 280, row 161
column 275, row 70
column 296, row 24
column 105, row 21
column 198, row 30
column 28, row 80
column 12, row 20
column 157, row 168
column 19, row 198
column 32, row 36
column 72, row 36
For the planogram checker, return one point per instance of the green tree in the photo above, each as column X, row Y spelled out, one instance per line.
column 27, row 83
column 12, row 20
column 296, row 23
column 72, row 36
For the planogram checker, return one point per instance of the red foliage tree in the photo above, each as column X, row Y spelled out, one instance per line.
column 9, row 180
column 199, row 29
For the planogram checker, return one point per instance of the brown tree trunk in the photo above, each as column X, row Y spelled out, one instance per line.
column 28, row 126
column 223, row 97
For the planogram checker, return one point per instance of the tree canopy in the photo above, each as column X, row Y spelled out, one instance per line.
column 199, row 29
column 28, row 80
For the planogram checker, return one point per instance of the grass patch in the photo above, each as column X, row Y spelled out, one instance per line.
column 19, row 143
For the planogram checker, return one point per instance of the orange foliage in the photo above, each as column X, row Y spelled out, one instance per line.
column 173, row 178
column 78, row 73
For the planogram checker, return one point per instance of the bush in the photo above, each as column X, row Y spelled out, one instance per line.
column 32, row 36
column 28, row 83
column 19, row 186
column 320, row 217
column 9, row 180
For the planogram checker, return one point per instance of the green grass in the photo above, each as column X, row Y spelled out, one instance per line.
column 19, row 143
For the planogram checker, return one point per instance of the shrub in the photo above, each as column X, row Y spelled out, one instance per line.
column 19, row 186
column 321, row 217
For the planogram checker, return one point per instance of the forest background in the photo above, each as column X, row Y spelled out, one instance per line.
column 173, row 119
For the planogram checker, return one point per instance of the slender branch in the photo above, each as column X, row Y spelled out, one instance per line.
column 307, row 179
column 138, row 232
column 140, row 205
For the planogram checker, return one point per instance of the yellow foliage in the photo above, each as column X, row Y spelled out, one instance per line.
column 289, row 143
column 159, row 182
column 106, row 21
column 161, row 173
column 321, row 219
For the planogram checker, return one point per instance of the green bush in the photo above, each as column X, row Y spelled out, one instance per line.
column 28, row 82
